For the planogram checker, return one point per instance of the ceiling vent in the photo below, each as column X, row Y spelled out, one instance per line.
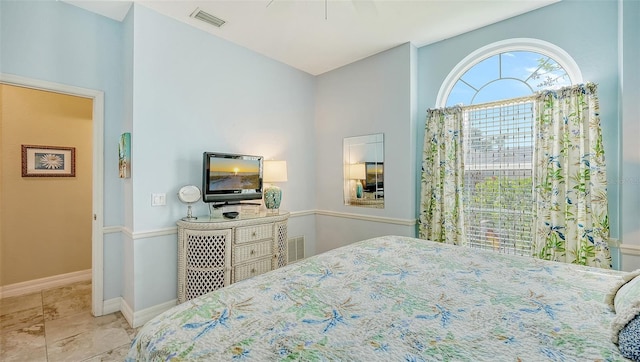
column 207, row 18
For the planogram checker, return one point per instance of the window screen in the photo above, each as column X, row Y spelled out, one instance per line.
column 498, row 176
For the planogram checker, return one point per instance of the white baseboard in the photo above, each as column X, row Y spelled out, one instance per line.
column 127, row 312
column 112, row 305
column 37, row 285
column 139, row 318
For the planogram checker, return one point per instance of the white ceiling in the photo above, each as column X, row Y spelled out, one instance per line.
column 317, row 36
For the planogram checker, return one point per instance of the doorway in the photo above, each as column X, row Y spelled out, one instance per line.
column 96, row 150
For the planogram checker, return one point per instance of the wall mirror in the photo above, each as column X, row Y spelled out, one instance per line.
column 364, row 171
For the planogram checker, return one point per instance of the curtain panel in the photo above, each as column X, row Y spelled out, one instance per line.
column 441, row 216
column 570, row 183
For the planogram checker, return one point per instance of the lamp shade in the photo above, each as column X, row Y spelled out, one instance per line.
column 274, row 171
column 357, row 171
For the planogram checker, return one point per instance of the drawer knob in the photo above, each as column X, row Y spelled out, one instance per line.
column 253, row 271
column 252, row 252
column 253, row 234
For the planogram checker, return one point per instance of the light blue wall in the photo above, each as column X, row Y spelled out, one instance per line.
column 113, row 266
column 60, row 43
column 56, row 42
column 366, row 97
column 194, row 92
column 630, row 112
column 128, row 272
column 588, row 33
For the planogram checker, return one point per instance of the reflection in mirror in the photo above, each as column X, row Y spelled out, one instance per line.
column 364, row 171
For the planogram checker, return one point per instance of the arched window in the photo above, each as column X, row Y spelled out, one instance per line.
column 508, row 69
column 492, row 85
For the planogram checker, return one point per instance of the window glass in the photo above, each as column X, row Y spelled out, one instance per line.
column 497, row 177
column 501, row 89
column 460, row 94
column 507, row 75
column 483, row 72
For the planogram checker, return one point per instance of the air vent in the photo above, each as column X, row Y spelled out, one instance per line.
column 207, row 18
column 296, row 249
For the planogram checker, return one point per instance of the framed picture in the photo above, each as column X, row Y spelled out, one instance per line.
column 124, row 155
column 48, row 161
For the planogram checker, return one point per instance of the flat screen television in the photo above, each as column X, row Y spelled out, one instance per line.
column 375, row 176
column 231, row 178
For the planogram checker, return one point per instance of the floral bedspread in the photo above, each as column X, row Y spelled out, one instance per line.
column 395, row 298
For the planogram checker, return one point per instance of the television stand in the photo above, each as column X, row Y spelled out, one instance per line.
column 215, row 252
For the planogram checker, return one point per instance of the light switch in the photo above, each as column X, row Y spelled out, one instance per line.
column 158, row 199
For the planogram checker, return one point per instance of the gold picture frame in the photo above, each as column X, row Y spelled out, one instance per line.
column 48, row 161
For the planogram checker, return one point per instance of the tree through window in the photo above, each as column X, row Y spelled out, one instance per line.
column 499, row 141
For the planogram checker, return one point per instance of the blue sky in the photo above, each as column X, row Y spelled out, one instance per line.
column 506, row 75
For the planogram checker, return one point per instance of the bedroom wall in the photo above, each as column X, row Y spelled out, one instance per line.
column 629, row 80
column 194, row 92
column 373, row 95
column 126, row 263
column 56, row 42
column 593, row 45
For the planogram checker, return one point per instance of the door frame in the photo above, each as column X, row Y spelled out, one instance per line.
column 97, row 233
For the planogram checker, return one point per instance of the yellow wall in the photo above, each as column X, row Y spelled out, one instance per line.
column 45, row 222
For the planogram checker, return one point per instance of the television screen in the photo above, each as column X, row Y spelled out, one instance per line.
column 229, row 177
column 375, row 176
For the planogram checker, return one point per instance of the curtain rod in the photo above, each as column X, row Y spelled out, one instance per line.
column 503, row 102
column 589, row 86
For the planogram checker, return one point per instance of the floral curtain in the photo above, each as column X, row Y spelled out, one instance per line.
column 570, row 188
column 441, row 214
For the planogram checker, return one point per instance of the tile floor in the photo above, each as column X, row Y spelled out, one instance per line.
column 56, row 325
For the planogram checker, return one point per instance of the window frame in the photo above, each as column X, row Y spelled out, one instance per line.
column 544, row 48
column 515, row 44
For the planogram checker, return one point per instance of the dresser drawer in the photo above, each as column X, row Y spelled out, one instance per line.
column 248, row 234
column 252, row 269
column 248, row 252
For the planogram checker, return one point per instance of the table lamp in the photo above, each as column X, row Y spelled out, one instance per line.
column 274, row 171
column 357, row 172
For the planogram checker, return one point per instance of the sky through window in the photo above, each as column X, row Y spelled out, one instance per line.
column 507, row 75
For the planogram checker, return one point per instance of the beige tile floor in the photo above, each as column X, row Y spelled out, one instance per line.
column 56, row 325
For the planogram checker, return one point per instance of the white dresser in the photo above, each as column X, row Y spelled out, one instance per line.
column 214, row 251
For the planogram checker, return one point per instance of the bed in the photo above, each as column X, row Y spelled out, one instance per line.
column 397, row 298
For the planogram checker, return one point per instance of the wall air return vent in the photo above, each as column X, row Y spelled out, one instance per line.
column 207, row 18
column 296, row 249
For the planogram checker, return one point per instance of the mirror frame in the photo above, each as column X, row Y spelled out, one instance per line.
column 360, row 155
